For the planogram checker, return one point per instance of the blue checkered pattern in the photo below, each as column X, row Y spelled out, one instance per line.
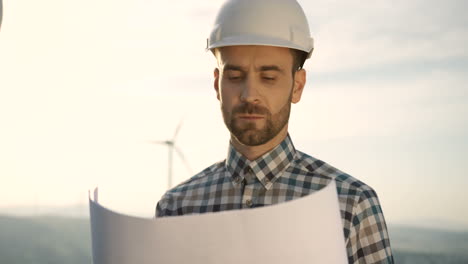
column 281, row 175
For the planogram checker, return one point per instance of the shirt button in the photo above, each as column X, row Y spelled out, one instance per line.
column 249, row 203
column 237, row 179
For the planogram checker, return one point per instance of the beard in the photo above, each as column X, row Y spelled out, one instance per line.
column 249, row 134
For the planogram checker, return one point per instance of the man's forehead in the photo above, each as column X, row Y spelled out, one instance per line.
column 256, row 56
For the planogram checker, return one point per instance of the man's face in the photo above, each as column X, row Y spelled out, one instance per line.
column 255, row 86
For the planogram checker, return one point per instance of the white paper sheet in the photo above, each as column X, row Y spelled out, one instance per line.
column 305, row 230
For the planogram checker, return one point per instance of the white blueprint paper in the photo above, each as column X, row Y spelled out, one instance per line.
column 305, row 230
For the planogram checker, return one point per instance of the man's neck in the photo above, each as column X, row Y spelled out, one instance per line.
column 254, row 152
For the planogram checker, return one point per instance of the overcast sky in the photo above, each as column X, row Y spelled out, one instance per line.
column 85, row 85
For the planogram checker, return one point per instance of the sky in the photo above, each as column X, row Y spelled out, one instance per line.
column 86, row 86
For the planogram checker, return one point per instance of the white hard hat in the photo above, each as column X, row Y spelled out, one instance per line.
column 280, row 23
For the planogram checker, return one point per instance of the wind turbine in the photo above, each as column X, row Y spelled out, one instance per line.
column 1, row 13
column 171, row 146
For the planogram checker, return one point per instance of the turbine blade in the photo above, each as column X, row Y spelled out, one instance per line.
column 159, row 142
column 177, row 130
column 182, row 157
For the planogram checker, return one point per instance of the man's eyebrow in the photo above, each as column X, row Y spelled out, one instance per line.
column 230, row 67
column 270, row 68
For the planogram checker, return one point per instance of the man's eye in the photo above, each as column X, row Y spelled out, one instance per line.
column 269, row 78
column 234, row 78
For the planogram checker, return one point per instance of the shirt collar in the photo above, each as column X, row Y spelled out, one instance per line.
column 267, row 168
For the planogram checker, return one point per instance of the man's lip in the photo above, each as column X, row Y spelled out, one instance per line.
column 251, row 117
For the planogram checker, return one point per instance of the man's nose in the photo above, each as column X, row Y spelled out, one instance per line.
column 250, row 91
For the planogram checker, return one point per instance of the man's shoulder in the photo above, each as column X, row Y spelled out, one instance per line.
column 346, row 185
column 191, row 189
column 204, row 178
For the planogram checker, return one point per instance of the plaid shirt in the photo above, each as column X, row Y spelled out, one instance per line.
column 280, row 175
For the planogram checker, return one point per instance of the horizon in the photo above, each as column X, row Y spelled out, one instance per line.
column 81, row 211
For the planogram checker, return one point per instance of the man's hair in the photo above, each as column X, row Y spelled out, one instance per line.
column 299, row 58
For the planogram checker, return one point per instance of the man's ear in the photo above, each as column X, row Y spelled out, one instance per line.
column 216, row 82
column 299, row 83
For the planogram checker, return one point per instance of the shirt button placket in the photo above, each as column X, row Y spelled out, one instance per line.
column 248, row 191
column 237, row 179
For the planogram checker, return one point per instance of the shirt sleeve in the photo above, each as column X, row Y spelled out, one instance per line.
column 368, row 240
column 161, row 207
column 167, row 207
column 159, row 211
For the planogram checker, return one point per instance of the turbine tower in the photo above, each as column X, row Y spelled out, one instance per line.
column 171, row 146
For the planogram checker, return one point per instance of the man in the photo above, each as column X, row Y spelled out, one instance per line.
column 260, row 47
